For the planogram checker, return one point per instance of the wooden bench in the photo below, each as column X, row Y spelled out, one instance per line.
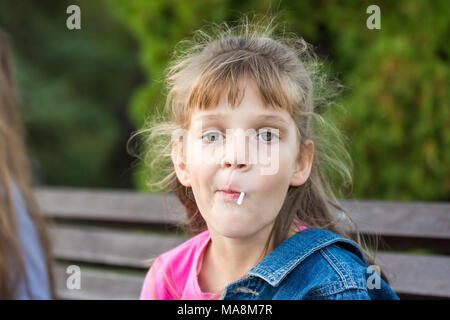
column 110, row 234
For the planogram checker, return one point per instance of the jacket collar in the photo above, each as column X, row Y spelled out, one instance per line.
column 291, row 252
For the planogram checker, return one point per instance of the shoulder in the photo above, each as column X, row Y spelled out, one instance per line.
column 32, row 252
column 341, row 271
column 170, row 270
column 344, row 274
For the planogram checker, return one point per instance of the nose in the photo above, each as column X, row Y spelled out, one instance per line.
column 236, row 155
column 238, row 166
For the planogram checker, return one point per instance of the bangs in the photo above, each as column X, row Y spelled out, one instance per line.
column 227, row 75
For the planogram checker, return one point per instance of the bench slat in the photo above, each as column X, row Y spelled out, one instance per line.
column 401, row 219
column 98, row 285
column 110, row 247
column 420, row 275
column 110, row 206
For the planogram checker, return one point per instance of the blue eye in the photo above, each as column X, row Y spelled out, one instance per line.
column 214, row 134
column 268, row 135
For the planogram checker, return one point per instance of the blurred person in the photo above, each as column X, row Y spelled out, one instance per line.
column 25, row 253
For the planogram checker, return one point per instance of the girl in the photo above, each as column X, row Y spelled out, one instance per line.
column 25, row 259
column 262, row 229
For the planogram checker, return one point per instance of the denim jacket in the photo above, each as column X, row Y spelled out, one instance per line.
column 311, row 265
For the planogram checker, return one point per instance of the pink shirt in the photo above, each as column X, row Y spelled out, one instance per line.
column 175, row 272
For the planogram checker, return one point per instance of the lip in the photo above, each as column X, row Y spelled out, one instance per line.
column 229, row 195
column 230, row 190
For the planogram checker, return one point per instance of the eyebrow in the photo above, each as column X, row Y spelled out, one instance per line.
column 264, row 117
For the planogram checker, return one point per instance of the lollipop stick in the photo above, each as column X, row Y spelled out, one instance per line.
column 241, row 197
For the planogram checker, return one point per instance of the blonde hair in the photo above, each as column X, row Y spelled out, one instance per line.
column 289, row 76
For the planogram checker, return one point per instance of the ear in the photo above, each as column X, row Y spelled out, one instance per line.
column 179, row 164
column 304, row 164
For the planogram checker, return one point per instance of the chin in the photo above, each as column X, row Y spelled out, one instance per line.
column 235, row 232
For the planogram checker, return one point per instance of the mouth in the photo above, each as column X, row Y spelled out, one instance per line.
column 229, row 191
column 229, row 194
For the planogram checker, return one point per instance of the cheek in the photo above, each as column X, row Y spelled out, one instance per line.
column 271, row 186
column 201, row 177
column 274, row 186
column 277, row 161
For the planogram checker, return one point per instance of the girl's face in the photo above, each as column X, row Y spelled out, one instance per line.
column 243, row 151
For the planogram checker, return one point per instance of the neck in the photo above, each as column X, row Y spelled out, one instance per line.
column 234, row 257
column 229, row 259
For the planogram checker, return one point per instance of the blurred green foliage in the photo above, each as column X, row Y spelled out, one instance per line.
column 397, row 79
column 74, row 86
